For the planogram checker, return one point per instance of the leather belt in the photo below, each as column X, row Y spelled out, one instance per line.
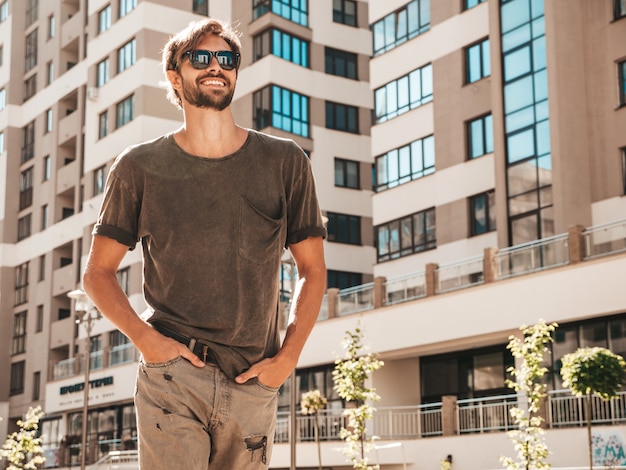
column 203, row 351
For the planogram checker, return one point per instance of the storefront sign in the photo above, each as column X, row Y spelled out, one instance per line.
column 79, row 387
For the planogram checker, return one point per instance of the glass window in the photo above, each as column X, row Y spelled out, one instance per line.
column 126, row 55
column 18, row 370
column 480, row 136
column 341, row 63
column 51, row 27
column 403, row 237
column 125, row 111
column 465, row 374
column 26, row 188
column 344, row 12
column 472, row 3
column 343, row 228
column 126, row 6
column 403, row 94
column 4, row 10
column 3, row 98
column 104, row 19
column 619, row 9
column 283, row 45
column 32, row 11
column 201, row 7
column 407, row 163
column 623, row 152
column 18, row 344
column 30, row 51
column 482, row 213
column 103, row 72
column 293, row 10
column 343, row 279
column 398, row 27
column 39, row 325
column 103, row 124
column 36, row 385
column 283, row 109
column 478, row 61
column 342, row 117
column 99, row 177
column 347, row 173
column 50, row 73
column 47, row 169
column 621, row 72
column 44, row 217
column 48, row 127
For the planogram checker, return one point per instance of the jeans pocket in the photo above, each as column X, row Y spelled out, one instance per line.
column 160, row 365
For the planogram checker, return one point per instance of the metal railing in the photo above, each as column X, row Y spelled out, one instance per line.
column 98, row 360
column 567, row 410
column 534, row 256
column 475, row 415
column 459, row 275
column 478, row 415
column 405, row 288
column 603, row 240
column 355, row 299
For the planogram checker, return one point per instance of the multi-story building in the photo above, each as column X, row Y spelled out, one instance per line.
column 470, row 157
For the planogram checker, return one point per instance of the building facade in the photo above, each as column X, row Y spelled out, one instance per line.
column 470, row 157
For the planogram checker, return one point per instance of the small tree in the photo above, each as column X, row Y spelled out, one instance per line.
column 22, row 449
column 349, row 377
column 528, row 437
column 593, row 370
column 310, row 404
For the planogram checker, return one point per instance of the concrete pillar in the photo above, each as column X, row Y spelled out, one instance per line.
column 448, row 415
column 332, row 296
column 431, row 279
column 575, row 243
column 490, row 270
column 380, row 294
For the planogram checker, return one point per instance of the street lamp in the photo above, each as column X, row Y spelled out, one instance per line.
column 86, row 313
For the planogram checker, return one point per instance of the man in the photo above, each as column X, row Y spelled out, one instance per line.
column 214, row 206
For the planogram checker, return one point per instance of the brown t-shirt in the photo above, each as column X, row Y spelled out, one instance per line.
column 213, row 232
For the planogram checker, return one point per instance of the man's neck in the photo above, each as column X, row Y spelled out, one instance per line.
column 210, row 134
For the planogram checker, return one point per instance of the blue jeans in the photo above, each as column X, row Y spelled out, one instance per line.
column 197, row 418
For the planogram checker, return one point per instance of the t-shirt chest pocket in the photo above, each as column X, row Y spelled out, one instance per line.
column 261, row 237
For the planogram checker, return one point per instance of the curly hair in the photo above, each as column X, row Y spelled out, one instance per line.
column 187, row 39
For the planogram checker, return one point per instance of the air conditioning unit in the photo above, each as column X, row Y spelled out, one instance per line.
column 92, row 93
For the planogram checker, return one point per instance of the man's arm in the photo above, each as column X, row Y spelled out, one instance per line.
column 309, row 258
column 102, row 287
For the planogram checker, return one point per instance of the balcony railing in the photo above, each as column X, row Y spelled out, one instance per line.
column 605, row 239
column 355, row 299
column 466, row 273
column 567, row 410
column 494, row 265
column 405, row 288
column 480, row 415
column 534, row 256
column 98, row 360
column 477, row 415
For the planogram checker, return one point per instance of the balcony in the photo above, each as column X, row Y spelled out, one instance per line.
column 67, row 177
column 98, row 360
column 63, row 279
column 578, row 245
column 69, row 126
column 471, row 416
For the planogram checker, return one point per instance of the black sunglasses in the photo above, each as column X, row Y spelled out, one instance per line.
column 200, row 59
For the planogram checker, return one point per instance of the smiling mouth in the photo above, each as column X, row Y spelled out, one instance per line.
column 212, row 82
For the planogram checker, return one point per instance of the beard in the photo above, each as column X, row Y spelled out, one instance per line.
column 196, row 97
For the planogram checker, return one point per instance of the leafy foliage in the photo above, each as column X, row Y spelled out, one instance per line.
column 593, row 370
column 349, row 376
column 22, row 448
column 528, row 438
